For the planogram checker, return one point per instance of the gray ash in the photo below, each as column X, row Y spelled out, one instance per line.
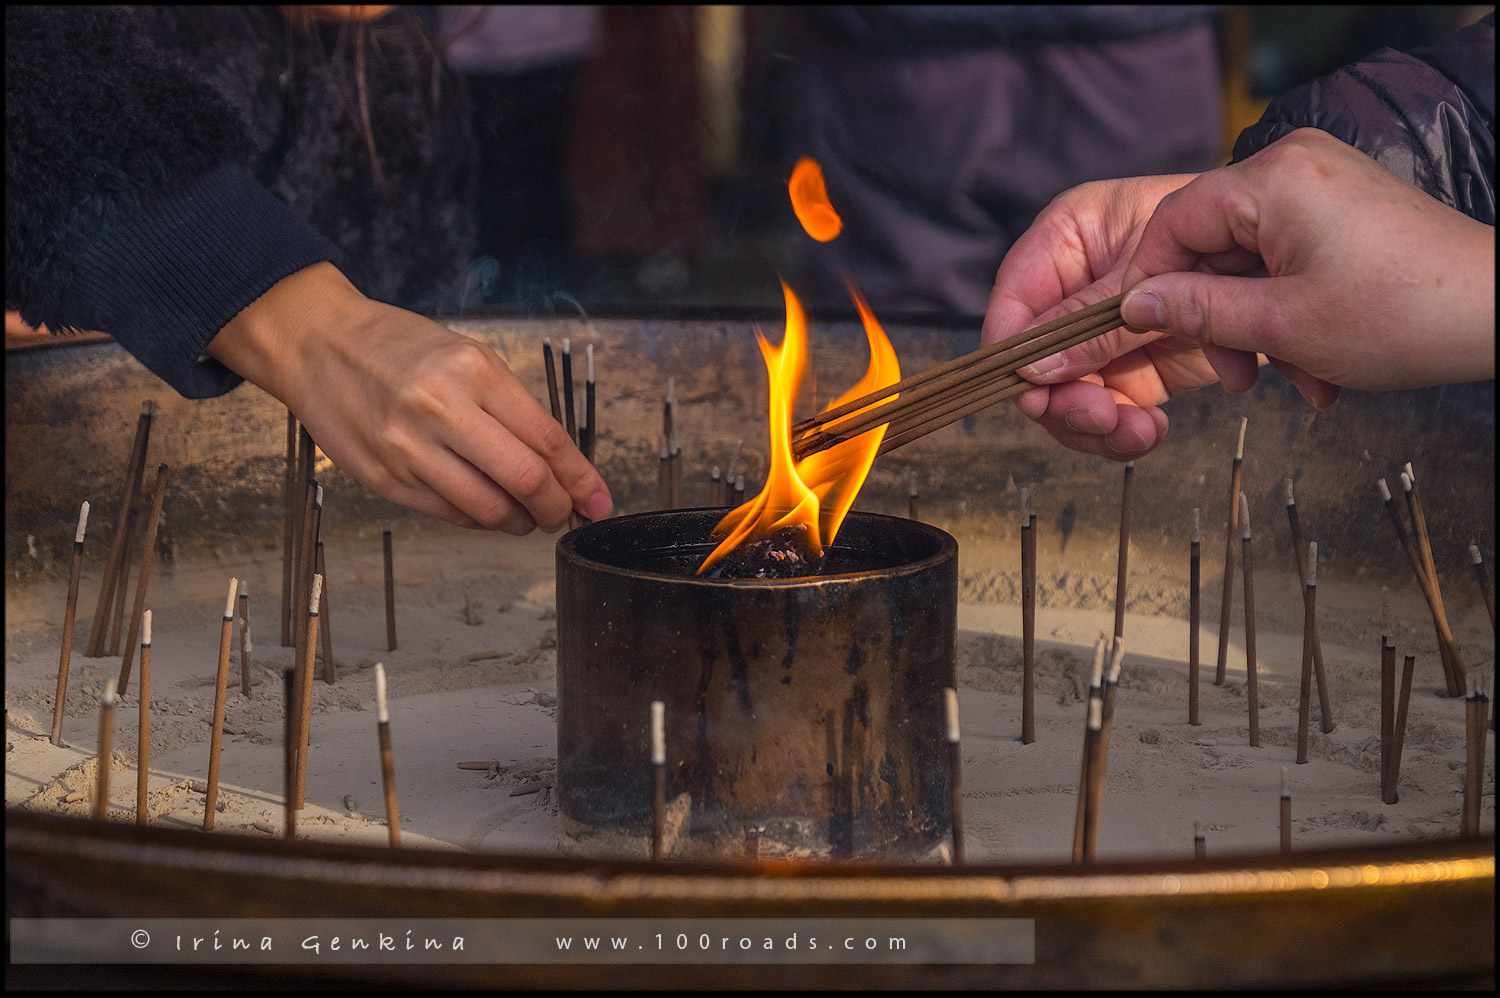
column 784, row 554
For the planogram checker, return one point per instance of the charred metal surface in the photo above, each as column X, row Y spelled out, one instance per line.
column 808, row 711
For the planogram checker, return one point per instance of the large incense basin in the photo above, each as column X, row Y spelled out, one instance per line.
column 803, row 715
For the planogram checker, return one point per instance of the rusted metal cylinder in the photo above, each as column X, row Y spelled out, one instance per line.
column 808, row 711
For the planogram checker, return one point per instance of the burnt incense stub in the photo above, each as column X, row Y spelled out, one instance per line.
column 805, row 711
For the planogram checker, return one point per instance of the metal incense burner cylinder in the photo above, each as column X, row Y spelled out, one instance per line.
column 804, row 717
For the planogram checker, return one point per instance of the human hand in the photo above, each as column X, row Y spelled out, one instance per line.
column 418, row 413
column 1101, row 396
column 1308, row 253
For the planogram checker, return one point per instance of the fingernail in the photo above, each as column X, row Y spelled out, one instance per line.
column 1043, row 367
column 598, row 506
column 1143, row 310
column 1080, row 421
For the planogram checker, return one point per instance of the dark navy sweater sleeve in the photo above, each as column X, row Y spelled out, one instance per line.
column 128, row 207
column 1427, row 115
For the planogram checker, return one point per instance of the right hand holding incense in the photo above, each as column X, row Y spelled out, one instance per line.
column 422, row 415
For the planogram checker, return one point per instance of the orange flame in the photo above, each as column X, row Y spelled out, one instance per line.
column 810, row 201
column 818, row 491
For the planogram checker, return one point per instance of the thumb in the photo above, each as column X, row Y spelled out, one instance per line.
column 1241, row 313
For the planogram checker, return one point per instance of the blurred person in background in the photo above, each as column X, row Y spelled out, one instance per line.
column 944, row 130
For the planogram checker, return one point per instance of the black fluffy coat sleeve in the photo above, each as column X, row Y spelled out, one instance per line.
column 128, row 205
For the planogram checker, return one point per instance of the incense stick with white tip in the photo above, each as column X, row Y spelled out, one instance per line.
column 588, row 407
column 1099, row 762
column 106, row 748
column 658, row 778
column 1484, row 581
column 1235, row 475
column 70, row 614
column 1325, row 707
column 221, row 689
column 570, row 413
column 1286, row 812
column 716, row 487
column 1194, row 615
column 1096, row 689
column 1475, row 708
column 1387, row 713
column 246, row 647
column 325, row 627
column 1252, row 675
column 152, row 522
column 304, row 569
column 1028, row 619
column 1446, row 647
column 739, row 491
column 387, row 762
column 955, row 782
column 1095, row 793
column 1309, row 627
column 289, row 751
column 305, row 693
column 143, row 723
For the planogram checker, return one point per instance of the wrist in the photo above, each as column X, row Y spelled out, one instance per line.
column 272, row 341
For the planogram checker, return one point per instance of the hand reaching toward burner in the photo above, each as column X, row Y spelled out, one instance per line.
column 1309, row 254
column 420, row 414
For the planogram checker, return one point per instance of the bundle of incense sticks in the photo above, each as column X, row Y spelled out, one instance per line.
column 1420, row 560
column 563, row 411
column 953, row 390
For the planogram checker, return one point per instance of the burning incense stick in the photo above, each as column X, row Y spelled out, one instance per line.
column 305, row 693
column 570, row 410
column 588, row 408
column 106, row 749
column 1286, row 812
column 70, row 613
column 1484, row 581
column 1234, row 511
column 1194, row 613
column 289, row 752
column 330, row 670
column 1028, row 619
column 387, row 763
column 715, row 488
column 245, row 645
column 99, row 628
column 1252, row 679
column 659, row 777
column 911, row 497
column 1409, row 548
column 1387, row 713
column 739, row 491
column 955, row 766
column 1124, row 560
column 221, row 689
column 290, row 509
column 157, row 495
column 143, row 723
column 1309, row 627
column 1200, row 845
column 1096, row 690
column 390, row 591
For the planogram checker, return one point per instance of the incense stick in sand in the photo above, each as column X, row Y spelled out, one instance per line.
column 106, row 749
column 70, row 614
column 289, row 751
column 1309, row 627
column 135, row 468
column 390, row 591
column 1475, row 708
column 1325, row 707
column 1234, row 515
column 221, row 689
column 330, row 670
column 157, row 495
column 387, row 763
column 1387, row 713
column 245, row 644
column 1092, row 747
column 291, row 509
column 1194, row 612
column 1096, row 687
column 1286, row 812
column 658, row 777
column 955, row 786
column 1252, row 678
column 305, row 692
column 1100, row 759
column 1028, row 618
column 589, row 409
column 143, row 723
column 1399, row 727
column 1200, row 845
column 1484, row 581
column 1124, row 559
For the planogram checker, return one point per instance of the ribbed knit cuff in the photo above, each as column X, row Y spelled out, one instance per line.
column 164, row 280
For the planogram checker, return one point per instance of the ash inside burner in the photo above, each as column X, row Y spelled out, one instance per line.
column 783, row 554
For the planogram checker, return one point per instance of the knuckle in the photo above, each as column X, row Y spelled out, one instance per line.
column 530, row 476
